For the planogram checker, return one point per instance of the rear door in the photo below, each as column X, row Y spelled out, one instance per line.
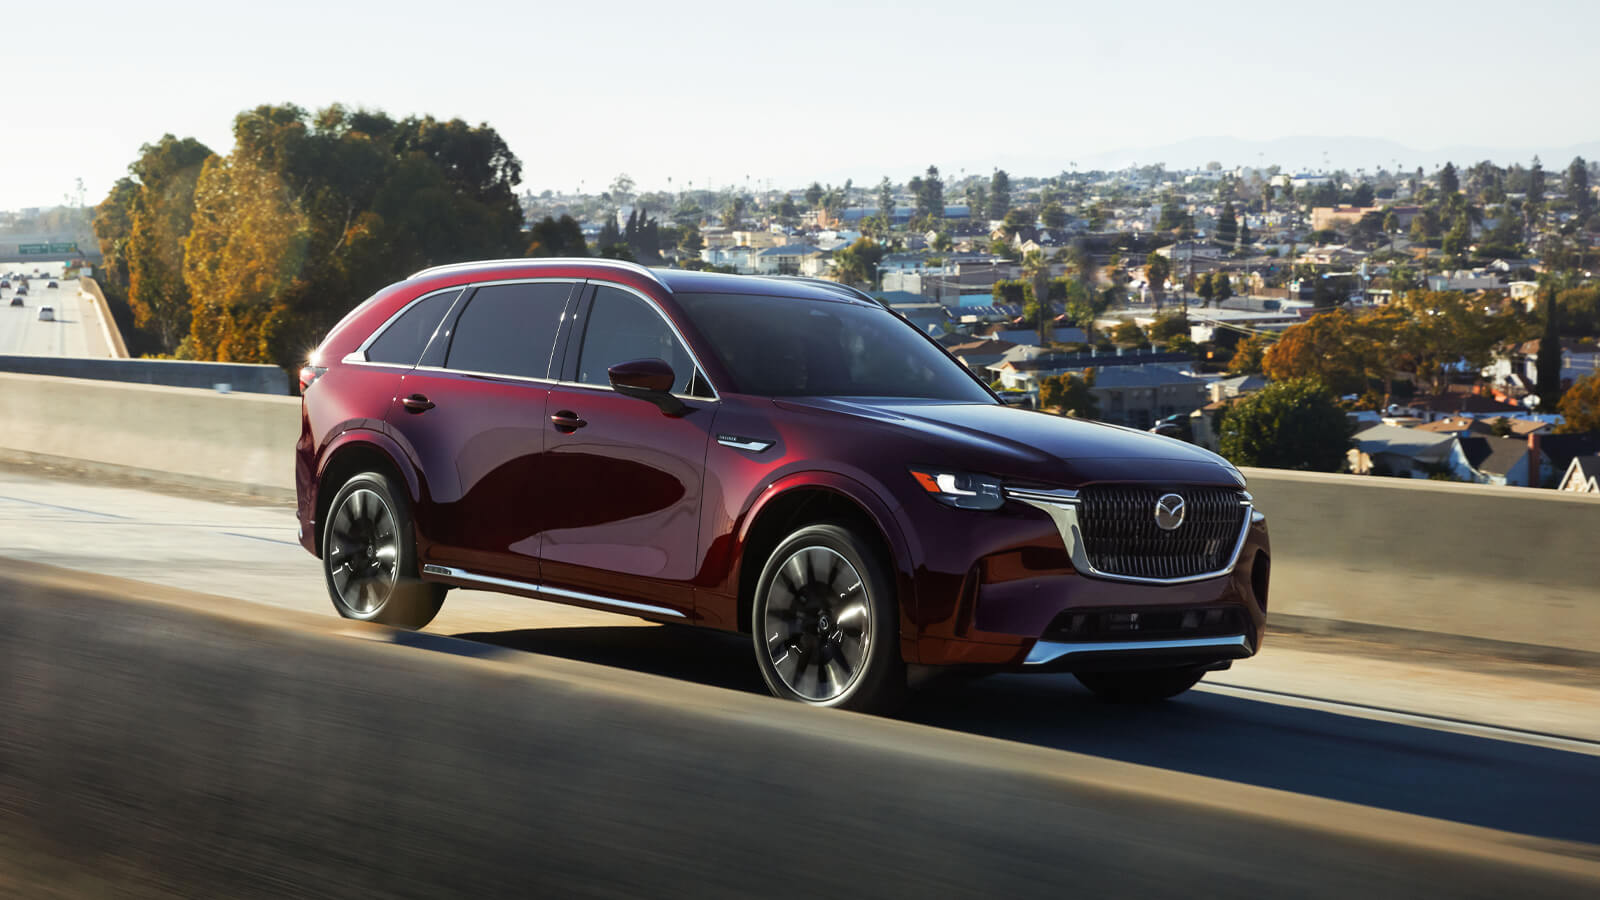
column 473, row 416
column 623, row 480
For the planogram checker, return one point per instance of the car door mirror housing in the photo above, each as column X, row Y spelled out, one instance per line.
column 649, row 380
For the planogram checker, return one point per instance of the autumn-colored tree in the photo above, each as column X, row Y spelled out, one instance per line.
column 857, row 263
column 1580, row 406
column 1248, row 356
column 1330, row 347
column 311, row 213
column 162, row 212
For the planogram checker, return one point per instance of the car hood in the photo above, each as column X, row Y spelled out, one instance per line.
column 1023, row 444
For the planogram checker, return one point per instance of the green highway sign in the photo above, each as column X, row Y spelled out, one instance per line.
column 46, row 249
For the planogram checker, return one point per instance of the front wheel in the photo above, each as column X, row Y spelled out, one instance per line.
column 826, row 624
column 1140, row 686
column 369, row 556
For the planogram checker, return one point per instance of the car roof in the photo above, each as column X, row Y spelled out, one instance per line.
column 674, row 280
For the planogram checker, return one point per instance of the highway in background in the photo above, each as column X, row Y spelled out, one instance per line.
column 1513, row 747
column 76, row 330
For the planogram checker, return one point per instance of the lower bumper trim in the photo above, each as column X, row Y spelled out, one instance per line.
column 1234, row 647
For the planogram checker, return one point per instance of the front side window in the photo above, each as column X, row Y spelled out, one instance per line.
column 789, row 347
column 403, row 341
column 509, row 329
column 623, row 328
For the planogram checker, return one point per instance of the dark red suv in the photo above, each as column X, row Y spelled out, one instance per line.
column 777, row 456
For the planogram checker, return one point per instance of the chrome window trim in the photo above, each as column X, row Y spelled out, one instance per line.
column 1062, row 508
column 563, row 593
column 1044, row 652
column 716, row 396
column 580, row 261
column 378, row 332
column 529, row 379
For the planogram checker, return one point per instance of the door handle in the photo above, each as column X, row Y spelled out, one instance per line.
column 567, row 421
column 416, row 403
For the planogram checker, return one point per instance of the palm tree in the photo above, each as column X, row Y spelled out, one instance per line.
column 1036, row 269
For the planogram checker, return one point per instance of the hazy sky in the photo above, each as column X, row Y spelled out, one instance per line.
column 792, row 91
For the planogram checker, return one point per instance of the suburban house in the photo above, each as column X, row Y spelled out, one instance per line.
column 788, row 259
column 979, row 355
column 741, row 258
column 1464, row 280
column 1136, row 396
column 1325, row 217
column 1583, row 475
column 1408, row 453
column 1501, row 460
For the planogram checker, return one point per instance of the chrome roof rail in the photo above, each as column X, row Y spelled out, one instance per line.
column 542, row 260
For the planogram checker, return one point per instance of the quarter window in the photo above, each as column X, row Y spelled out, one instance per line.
column 403, row 341
column 622, row 328
column 509, row 329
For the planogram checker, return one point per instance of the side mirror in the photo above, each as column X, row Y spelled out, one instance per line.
column 649, row 380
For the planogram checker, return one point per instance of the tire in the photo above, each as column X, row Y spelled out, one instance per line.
column 825, row 623
column 1139, row 686
column 369, row 556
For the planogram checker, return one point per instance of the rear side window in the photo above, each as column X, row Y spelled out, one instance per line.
column 509, row 329
column 623, row 328
column 403, row 341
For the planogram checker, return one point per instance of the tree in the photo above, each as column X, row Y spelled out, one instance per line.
column 162, row 215
column 1222, row 287
column 622, row 188
column 1580, row 406
column 552, row 237
column 977, row 201
column 1547, row 366
column 310, row 213
column 1168, row 327
column 1228, row 227
column 1157, row 269
column 1286, row 425
column 1248, row 356
column 1128, row 334
column 1449, row 182
column 690, row 241
column 886, row 204
column 1204, row 289
column 1070, row 395
column 732, row 211
column 1578, row 187
column 1036, row 269
column 814, row 195
column 856, row 263
column 931, row 198
column 1053, row 215
column 999, row 194
column 1245, row 237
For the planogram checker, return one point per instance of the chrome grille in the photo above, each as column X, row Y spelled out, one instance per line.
column 1121, row 536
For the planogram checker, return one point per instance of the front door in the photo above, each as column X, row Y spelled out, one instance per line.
column 622, row 480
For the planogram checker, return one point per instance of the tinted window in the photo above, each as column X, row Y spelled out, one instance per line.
column 403, row 341
column 780, row 346
column 621, row 328
column 509, row 329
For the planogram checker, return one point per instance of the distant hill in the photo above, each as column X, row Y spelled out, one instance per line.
column 1312, row 153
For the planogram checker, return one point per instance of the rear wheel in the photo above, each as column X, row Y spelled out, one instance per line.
column 369, row 556
column 825, row 622
column 1140, row 686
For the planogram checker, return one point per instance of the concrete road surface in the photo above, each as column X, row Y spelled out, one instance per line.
column 1502, row 745
column 76, row 330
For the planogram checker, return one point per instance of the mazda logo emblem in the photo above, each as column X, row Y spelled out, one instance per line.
column 1169, row 512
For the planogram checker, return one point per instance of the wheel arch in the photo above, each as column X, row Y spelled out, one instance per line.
column 352, row 452
column 809, row 498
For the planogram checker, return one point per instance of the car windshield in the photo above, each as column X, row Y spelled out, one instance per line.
column 788, row 347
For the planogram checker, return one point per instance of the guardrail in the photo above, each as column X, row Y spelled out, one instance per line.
column 108, row 323
column 1420, row 561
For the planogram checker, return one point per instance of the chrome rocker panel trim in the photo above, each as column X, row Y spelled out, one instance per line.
column 1045, row 652
column 557, row 593
column 1062, row 508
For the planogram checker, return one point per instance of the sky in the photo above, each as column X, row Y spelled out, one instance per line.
column 680, row 95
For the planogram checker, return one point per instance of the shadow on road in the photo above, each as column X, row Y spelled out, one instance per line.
column 1475, row 780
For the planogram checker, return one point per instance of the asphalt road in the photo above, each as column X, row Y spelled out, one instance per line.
column 1513, row 747
column 76, row 330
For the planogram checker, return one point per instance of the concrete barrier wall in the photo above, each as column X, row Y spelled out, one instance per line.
column 1483, row 563
column 234, row 441
column 89, row 286
column 243, row 378
column 1496, row 563
column 150, row 750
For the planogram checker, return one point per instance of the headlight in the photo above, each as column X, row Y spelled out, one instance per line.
column 960, row 489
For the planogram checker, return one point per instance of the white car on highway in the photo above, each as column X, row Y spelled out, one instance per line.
column 47, row 314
